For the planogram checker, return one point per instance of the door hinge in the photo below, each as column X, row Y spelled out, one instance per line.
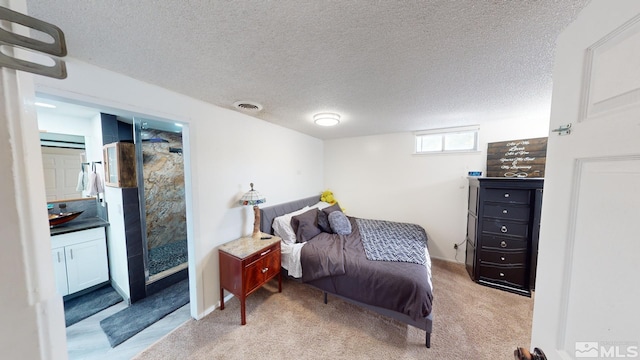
column 563, row 129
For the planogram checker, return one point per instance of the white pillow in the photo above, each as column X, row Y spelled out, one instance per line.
column 320, row 205
column 282, row 226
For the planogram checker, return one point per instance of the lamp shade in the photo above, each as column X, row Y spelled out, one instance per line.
column 252, row 197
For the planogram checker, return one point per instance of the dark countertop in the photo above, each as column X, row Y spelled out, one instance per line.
column 78, row 225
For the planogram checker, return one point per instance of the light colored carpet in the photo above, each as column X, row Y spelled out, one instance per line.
column 471, row 322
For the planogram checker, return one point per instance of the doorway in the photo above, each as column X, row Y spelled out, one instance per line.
column 68, row 119
column 155, row 246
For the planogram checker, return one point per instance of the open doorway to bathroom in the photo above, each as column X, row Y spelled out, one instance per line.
column 162, row 197
column 62, row 123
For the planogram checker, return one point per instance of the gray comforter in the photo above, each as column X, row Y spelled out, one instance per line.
column 338, row 264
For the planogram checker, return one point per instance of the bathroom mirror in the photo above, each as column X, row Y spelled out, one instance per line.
column 63, row 156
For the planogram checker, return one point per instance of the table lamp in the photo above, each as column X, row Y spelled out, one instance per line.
column 252, row 197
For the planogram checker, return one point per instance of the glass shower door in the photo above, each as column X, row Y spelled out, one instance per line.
column 162, row 197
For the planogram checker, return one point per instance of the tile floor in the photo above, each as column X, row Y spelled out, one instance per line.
column 87, row 341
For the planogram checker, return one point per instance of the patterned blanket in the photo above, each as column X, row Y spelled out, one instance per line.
column 393, row 241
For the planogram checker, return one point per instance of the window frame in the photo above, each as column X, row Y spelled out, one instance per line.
column 443, row 132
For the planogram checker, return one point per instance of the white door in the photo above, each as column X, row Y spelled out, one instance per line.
column 86, row 264
column 587, row 300
column 61, row 168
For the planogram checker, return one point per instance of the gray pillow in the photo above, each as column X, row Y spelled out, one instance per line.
column 339, row 223
column 323, row 222
column 332, row 208
column 305, row 225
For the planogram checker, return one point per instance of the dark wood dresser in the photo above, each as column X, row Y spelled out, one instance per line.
column 503, row 226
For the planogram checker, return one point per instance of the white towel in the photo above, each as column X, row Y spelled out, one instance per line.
column 82, row 181
column 96, row 186
column 99, row 183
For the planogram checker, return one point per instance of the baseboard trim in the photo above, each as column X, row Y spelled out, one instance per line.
column 214, row 307
column 121, row 292
column 447, row 260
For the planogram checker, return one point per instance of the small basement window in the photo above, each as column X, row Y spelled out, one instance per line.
column 449, row 140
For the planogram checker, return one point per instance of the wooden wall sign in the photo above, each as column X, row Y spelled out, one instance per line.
column 517, row 158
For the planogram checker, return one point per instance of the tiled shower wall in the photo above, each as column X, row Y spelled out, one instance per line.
column 163, row 187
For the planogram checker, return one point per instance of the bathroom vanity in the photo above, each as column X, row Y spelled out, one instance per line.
column 80, row 260
column 79, row 247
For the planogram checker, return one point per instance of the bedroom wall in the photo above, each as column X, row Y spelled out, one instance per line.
column 224, row 151
column 379, row 177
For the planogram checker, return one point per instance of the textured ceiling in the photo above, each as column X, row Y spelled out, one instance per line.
column 385, row 66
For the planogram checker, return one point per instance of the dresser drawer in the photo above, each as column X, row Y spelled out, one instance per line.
column 506, row 211
column 259, row 271
column 501, row 243
column 262, row 253
column 511, row 276
column 502, row 227
column 503, row 257
column 511, row 196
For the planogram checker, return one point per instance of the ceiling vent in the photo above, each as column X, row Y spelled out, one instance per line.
column 248, row 106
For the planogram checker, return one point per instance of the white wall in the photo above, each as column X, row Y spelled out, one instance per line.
column 378, row 177
column 75, row 126
column 117, row 242
column 224, row 151
column 90, row 128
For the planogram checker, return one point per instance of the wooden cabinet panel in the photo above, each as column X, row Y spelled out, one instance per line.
column 272, row 264
column 253, row 276
column 120, row 165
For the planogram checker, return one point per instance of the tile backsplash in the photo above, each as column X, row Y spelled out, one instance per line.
column 90, row 207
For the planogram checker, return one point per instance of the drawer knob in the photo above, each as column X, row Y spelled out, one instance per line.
column 502, row 258
column 505, row 211
column 503, row 229
column 506, row 195
column 501, row 274
column 264, row 270
column 503, row 244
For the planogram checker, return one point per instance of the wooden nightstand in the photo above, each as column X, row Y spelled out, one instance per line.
column 245, row 265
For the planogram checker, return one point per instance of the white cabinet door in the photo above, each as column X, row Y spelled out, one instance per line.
column 86, row 264
column 60, row 271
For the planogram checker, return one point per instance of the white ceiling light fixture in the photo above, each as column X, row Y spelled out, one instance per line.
column 326, row 119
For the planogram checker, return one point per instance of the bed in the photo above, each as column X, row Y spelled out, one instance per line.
column 340, row 264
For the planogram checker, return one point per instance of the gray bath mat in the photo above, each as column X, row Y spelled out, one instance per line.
column 126, row 323
column 88, row 304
